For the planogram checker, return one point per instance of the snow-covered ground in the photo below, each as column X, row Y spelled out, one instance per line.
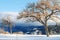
column 28, row 37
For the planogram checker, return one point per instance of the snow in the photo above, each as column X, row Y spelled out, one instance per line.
column 28, row 37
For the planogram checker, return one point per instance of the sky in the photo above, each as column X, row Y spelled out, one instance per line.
column 14, row 5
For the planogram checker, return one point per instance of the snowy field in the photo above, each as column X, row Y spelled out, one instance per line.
column 28, row 37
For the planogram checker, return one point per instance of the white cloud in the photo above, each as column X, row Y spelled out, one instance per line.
column 12, row 14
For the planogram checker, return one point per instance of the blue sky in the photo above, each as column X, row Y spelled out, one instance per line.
column 13, row 5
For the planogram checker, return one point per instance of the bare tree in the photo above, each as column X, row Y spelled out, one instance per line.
column 7, row 22
column 44, row 11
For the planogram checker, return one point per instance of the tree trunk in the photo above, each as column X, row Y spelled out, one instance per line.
column 47, row 32
column 46, row 29
column 11, row 29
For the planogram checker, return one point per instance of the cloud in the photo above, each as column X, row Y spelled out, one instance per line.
column 12, row 14
column 9, row 13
